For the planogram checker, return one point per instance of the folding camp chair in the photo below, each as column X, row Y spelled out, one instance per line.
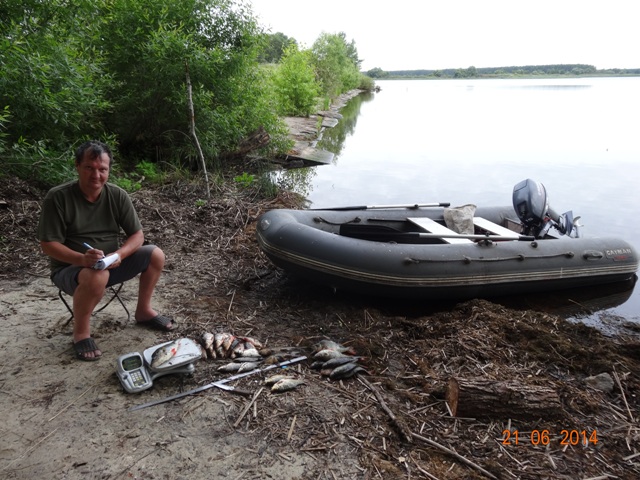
column 115, row 290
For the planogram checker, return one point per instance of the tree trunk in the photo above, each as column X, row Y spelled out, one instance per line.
column 482, row 398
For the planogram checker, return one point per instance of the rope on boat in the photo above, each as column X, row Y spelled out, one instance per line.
column 323, row 220
column 467, row 260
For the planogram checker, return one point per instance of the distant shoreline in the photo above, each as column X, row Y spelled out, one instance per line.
column 524, row 71
column 507, row 77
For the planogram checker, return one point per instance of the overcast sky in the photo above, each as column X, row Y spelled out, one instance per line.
column 437, row 34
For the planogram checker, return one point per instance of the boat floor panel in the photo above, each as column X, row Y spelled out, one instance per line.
column 494, row 228
column 434, row 227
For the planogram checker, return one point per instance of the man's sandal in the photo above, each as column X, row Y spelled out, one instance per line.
column 159, row 322
column 84, row 346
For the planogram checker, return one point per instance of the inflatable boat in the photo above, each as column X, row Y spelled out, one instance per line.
column 434, row 251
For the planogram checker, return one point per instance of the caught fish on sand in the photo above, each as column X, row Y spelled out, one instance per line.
column 346, row 371
column 331, row 345
column 286, row 384
column 226, row 345
column 327, row 354
column 276, row 378
column 335, row 360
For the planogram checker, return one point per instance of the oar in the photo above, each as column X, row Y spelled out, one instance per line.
column 521, row 238
column 399, row 235
column 413, row 206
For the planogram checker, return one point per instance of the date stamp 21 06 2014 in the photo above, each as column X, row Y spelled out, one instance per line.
column 544, row 437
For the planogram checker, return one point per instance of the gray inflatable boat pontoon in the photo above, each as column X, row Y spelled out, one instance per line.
column 432, row 251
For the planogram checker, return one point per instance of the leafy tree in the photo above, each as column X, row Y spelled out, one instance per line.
column 377, row 73
column 295, row 83
column 366, row 83
column 336, row 63
column 470, row 72
column 52, row 85
column 5, row 116
column 115, row 69
column 274, row 48
column 52, row 79
column 148, row 46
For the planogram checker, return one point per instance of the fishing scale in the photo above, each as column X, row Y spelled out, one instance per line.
column 136, row 373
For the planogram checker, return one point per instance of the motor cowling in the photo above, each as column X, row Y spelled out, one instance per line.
column 532, row 206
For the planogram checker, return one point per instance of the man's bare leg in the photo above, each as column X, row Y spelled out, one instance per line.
column 91, row 287
column 148, row 281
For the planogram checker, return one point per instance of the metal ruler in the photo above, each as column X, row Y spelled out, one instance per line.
column 219, row 384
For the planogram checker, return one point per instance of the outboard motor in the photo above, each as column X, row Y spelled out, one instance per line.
column 531, row 204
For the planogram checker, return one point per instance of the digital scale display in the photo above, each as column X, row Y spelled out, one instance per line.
column 131, row 363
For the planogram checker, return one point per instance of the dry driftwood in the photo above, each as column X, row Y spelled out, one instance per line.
column 256, row 139
column 484, row 398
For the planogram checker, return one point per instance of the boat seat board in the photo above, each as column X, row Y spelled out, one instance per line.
column 494, row 228
column 434, row 227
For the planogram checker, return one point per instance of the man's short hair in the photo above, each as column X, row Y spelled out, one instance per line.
column 95, row 148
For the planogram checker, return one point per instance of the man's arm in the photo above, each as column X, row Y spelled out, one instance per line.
column 131, row 244
column 64, row 254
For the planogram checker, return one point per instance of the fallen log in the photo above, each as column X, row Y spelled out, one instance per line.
column 483, row 398
column 255, row 140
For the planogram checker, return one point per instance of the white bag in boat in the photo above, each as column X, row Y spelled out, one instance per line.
column 460, row 219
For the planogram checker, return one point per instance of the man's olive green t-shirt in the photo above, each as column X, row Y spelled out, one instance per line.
column 69, row 218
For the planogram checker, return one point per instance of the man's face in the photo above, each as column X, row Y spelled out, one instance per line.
column 93, row 173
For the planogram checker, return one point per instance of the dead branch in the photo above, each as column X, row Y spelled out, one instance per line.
column 400, row 427
column 192, row 128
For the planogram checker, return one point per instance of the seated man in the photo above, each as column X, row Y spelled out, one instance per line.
column 79, row 225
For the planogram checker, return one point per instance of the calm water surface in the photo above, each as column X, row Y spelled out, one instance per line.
column 471, row 141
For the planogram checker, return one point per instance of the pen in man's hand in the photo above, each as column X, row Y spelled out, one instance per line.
column 90, row 247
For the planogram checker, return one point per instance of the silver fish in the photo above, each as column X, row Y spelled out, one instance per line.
column 317, row 365
column 345, row 371
column 236, row 348
column 327, row 354
column 227, row 344
column 217, row 344
column 251, row 352
column 277, row 358
column 331, row 345
column 230, row 367
column 272, row 357
column 276, row 378
column 164, row 354
column 222, row 342
column 203, row 352
column 207, row 342
column 336, row 362
column 286, row 384
column 255, row 343
column 247, row 366
column 247, row 359
column 218, row 339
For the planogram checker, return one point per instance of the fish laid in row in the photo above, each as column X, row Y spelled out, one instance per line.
column 226, row 345
column 335, row 360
